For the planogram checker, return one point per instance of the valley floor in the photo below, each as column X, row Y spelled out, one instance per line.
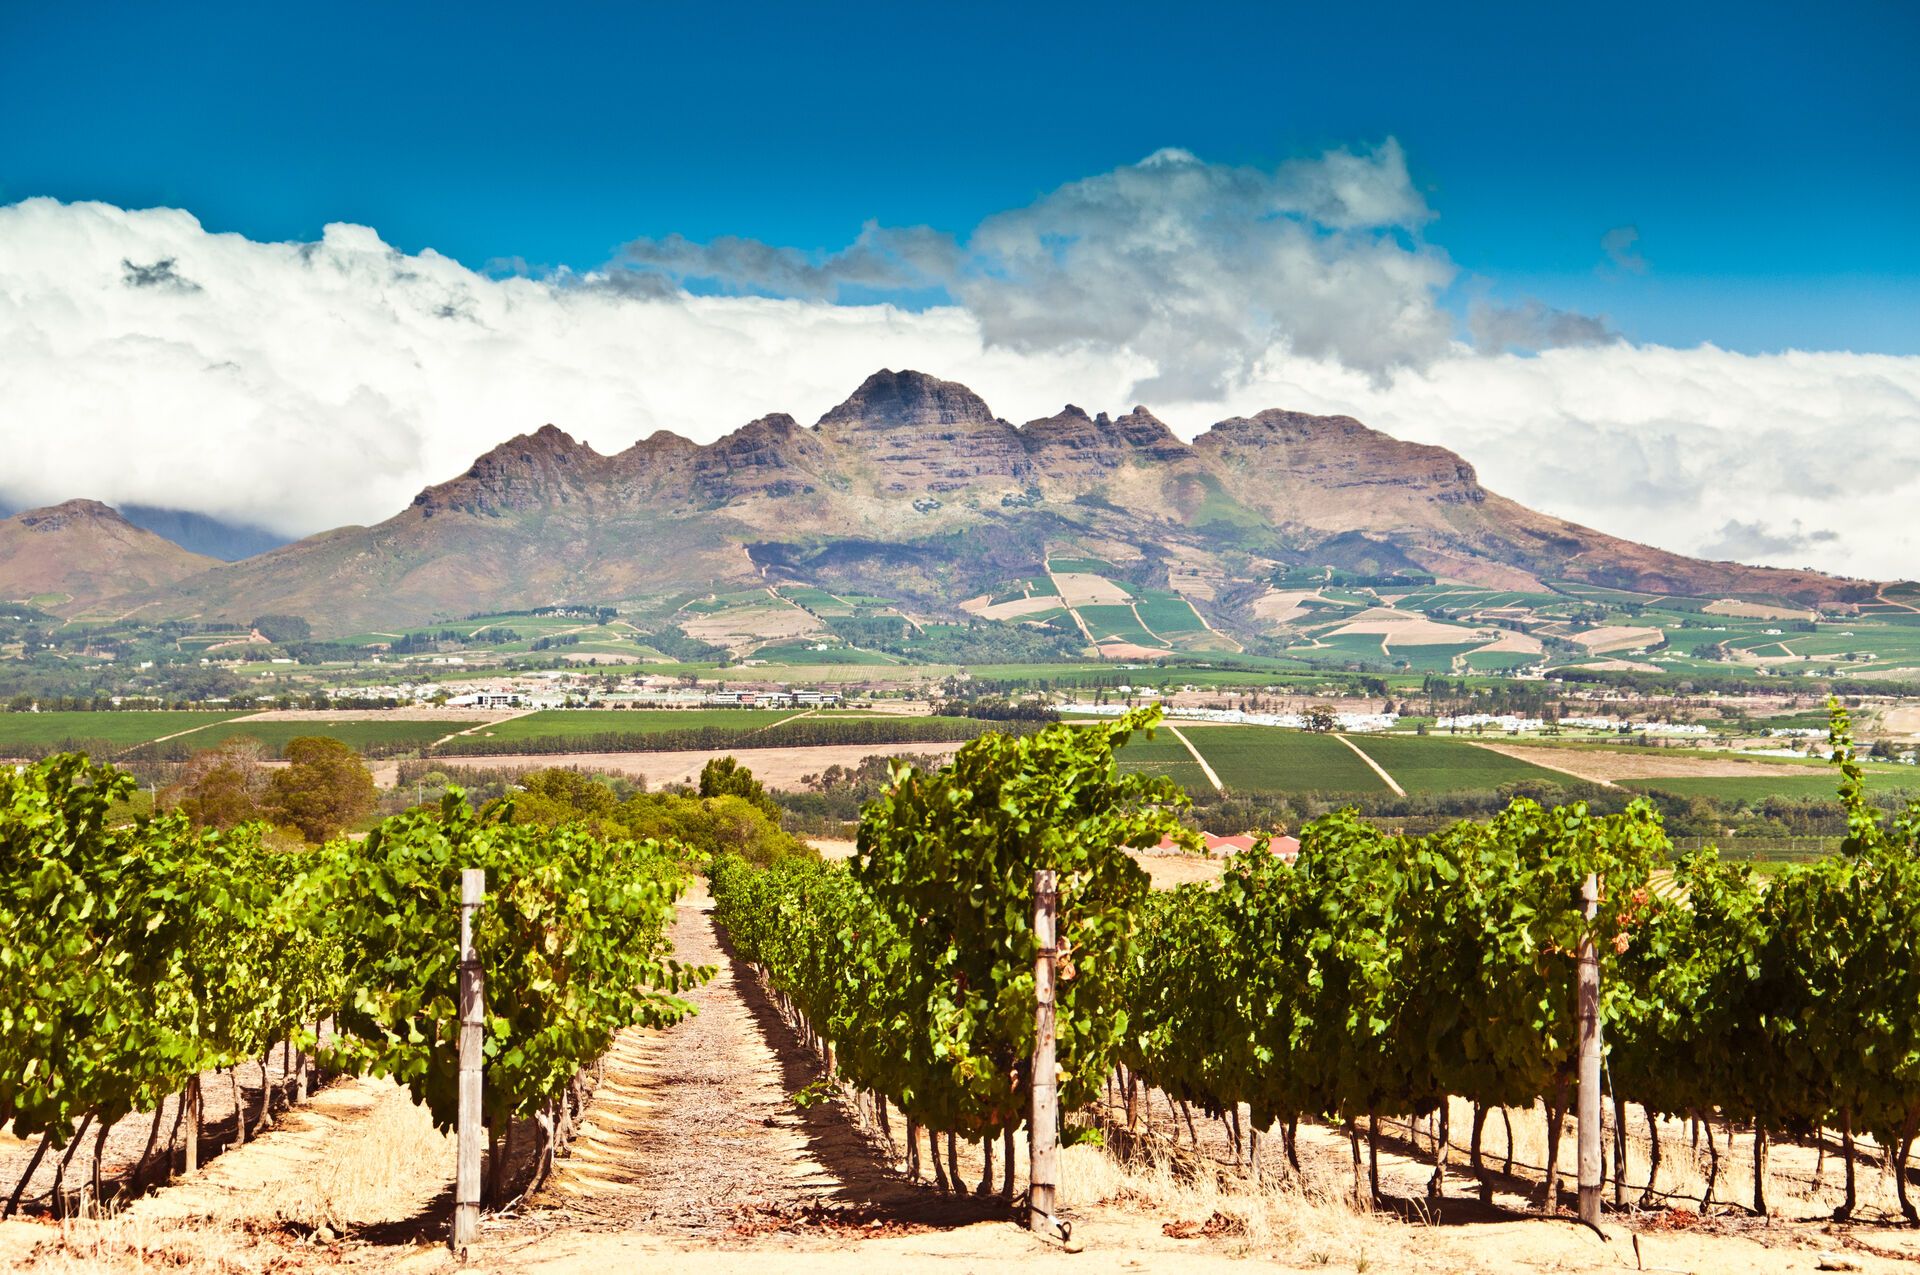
column 693, row 1157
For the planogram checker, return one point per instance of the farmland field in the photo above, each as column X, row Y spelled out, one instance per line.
column 1265, row 759
column 1168, row 614
column 817, row 600
column 43, row 730
column 1116, row 622
column 631, row 721
column 1433, row 765
column 374, row 735
column 1164, row 755
column 1793, row 782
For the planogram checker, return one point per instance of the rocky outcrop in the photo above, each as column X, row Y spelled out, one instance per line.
column 1335, row 455
column 546, row 469
column 772, row 457
column 1072, row 438
column 914, row 434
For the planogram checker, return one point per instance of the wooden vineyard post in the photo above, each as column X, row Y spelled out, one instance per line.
column 1589, row 1038
column 466, row 1184
column 192, row 1101
column 1043, row 1115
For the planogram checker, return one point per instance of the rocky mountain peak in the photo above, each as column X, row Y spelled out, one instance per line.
column 915, row 433
column 70, row 513
column 543, row 469
column 1336, row 454
column 772, row 456
column 86, row 550
column 1100, row 441
column 890, row 400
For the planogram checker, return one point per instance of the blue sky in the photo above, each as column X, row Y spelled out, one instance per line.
column 1768, row 155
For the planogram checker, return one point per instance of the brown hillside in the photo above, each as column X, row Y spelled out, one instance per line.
column 76, row 553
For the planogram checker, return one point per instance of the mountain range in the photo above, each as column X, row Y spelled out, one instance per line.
column 911, row 489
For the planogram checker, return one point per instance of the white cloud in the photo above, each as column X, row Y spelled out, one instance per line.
column 300, row 386
column 1201, row 269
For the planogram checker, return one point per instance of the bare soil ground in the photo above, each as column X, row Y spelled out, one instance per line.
column 744, row 625
column 128, row 1139
column 1169, row 870
column 1616, row 637
column 1079, row 589
column 1130, row 651
column 1608, row 767
column 1754, row 610
column 1405, row 628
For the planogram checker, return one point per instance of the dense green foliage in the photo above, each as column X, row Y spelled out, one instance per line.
column 1377, row 974
column 917, row 961
column 1380, row 972
column 572, row 936
column 137, row 955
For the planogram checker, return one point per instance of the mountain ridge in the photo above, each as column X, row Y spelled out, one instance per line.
column 912, row 483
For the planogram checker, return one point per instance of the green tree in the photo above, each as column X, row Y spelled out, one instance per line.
column 224, row 786
column 283, row 628
column 323, row 788
column 726, row 777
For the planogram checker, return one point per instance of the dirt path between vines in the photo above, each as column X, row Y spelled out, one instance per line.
column 693, row 1129
column 693, row 1144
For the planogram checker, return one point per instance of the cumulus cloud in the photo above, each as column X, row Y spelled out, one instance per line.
column 1200, row 269
column 305, row 385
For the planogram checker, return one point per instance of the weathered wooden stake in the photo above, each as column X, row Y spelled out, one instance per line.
column 193, row 1125
column 1043, row 1116
column 466, row 1188
column 1590, row 1167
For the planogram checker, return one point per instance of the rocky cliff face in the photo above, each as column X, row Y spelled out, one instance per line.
column 547, row 469
column 772, row 457
column 910, row 433
column 1075, row 440
column 914, row 486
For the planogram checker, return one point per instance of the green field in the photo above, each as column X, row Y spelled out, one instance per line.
column 374, row 736
column 1117, row 624
column 1797, row 782
column 818, row 601
column 1164, row 755
column 1361, row 648
column 1493, row 661
column 1169, row 614
column 1431, row 659
column 1266, row 759
column 45, row 730
column 1431, row 764
column 630, row 721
